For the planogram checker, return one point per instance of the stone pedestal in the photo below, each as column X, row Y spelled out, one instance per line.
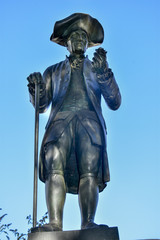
column 101, row 233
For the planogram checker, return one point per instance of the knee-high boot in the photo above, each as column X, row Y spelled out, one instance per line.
column 55, row 199
column 88, row 200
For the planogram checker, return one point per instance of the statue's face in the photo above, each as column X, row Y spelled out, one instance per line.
column 77, row 42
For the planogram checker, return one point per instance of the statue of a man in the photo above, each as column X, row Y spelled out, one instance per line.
column 73, row 155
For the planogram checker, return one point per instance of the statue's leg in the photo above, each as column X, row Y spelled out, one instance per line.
column 56, row 154
column 88, row 200
column 55, row 198
column 88, row 163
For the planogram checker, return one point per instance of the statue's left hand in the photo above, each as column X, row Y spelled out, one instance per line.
column 99, row 62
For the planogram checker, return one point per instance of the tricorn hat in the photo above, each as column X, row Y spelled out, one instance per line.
column 63, row 28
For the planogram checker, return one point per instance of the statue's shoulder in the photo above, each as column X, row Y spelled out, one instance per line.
column 87, row 59
column 51, row 69
column 88, row 62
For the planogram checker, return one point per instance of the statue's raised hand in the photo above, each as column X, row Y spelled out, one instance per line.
column 33, row 79
column 99, row 61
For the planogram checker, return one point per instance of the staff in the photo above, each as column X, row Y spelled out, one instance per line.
column 35, row 80
column 36, row 135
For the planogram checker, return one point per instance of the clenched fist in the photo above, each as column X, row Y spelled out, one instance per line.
column 33, row 79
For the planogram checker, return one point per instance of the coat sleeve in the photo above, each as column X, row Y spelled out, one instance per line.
column 45, row 91
column 109, row 89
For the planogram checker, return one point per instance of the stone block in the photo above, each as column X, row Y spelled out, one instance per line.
column 101, row 233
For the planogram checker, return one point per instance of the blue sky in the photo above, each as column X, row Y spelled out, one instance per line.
column 131, row 200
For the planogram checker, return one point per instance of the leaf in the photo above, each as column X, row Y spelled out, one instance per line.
column 2, row 217
column 6, row 232
column 22, row 236
column 12, row 230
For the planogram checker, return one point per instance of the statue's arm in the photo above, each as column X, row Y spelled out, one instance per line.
column 45, row 86
column 106, row 79
column 110, row 89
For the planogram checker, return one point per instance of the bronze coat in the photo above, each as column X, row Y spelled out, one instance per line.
column 56, row 79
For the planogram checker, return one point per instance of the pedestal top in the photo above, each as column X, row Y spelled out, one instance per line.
column 101, row 233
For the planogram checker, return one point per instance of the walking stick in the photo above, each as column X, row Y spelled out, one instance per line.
column 36, row 135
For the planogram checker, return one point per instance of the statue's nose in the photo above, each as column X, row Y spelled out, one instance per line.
column 79, row 37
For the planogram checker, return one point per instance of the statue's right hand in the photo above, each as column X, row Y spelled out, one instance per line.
column 33, row 79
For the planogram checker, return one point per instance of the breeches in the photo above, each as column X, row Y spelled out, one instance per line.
column 75, row 139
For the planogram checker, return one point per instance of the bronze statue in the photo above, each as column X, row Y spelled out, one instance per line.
column 73, row 155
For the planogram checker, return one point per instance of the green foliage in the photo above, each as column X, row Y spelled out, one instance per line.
column 39, row 223
column 6, row 231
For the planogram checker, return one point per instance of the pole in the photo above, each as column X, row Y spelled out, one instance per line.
column 36, row 136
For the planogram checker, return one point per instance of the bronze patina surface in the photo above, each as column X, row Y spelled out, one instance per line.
column 73, row 155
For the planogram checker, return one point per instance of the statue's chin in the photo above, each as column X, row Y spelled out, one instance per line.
column 79, row 51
